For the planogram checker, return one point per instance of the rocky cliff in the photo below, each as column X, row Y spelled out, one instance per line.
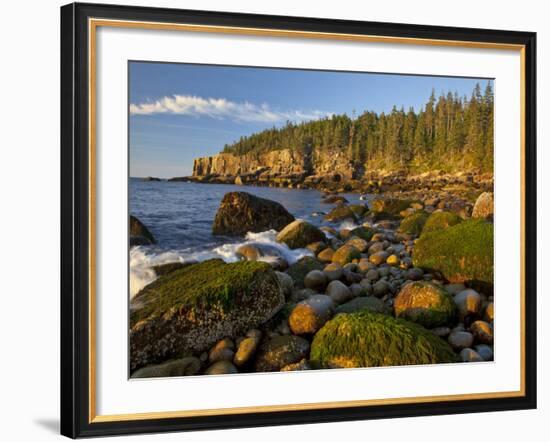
column 275, row 165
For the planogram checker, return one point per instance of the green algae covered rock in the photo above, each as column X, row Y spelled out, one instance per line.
column 462, row 253
column 413, row 224
column 440, row 221
column 426, row 304
column 341, row 213
column 366, row 339
column 188, row 310
column 392, row 206
column 299, row 233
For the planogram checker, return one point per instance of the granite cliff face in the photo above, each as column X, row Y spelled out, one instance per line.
column 276, row 165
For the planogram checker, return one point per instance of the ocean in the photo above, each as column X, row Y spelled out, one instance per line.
column 180, row 216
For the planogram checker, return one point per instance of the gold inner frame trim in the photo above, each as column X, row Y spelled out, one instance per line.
column 93, row 24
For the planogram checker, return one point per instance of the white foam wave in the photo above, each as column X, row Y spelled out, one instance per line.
column 142, row 259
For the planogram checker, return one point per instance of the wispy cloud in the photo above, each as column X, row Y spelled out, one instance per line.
column 221, row 108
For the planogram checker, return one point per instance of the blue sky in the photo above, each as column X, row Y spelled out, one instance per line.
column 181, row 111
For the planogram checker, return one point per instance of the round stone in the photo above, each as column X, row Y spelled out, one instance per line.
column 245, row 351
column 380, row 288
column 469, row 355
column 379, row 257
column 338, row 291
column 311, row 314
column 393, row 260
column 469, row 305
column 460, row 340
column 482, row 331
column 221, row 367
column 333, row 271
column 315, row 280
column 485, row 351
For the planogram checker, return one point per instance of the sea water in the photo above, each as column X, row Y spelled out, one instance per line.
column 180, row 216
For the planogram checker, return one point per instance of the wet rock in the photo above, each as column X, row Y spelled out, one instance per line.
column 316, row 247
column 221, row 367
column 245, row 351
column 482, row 331
column 361, row 303
column 287, row 284
column 298, row 234
column 316, row 280
column 469, row 355
column 380, row 288
column 338, row 291
column 469, row 305
column 358, row 243
column 379, row 257
column 489, row 314
column 298, row 366
column 460, row 340
column 485, row 351
column 140, row 233
column 281, row 351
column 187, row 366
column 483, row 207
column 425, row 303
column 345, row 254
column 341, row 213
column 241, row 212
column 326, row 255
column 333, row 271
column 311, row 314
column 301, row 268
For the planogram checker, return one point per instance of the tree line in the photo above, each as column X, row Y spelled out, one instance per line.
column 448, row 133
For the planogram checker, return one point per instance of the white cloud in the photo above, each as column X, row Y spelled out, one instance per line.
column 221, row 108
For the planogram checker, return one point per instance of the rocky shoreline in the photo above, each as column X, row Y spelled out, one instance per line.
column 409, row 282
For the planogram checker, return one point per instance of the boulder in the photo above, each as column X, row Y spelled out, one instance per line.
column 346, row 253
column 460, row 339
column 333, row 199
column 139, row 233
column 333, row 271
column 440, row 221
column 256, row 251
column 190, row 309
column 413, row 224
column 299, row 233
column 280, row 352
column 482, row 331
column 462, row 253
column 341, row 213
column 358, row 209
column 188, row 366
column 378, row 258
column 426, row 304
column 241, row 212
column 483, row 208
column 366, row 339
column 311, row 314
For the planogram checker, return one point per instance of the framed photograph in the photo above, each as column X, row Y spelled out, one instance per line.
column 274, row 220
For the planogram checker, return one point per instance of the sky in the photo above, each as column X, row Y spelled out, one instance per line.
column 178, row 112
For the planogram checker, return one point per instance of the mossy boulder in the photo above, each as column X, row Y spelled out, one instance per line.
column 341, row 213
column 164, row 269
column 426, row 304
column 392, row 206
column 241, row 212
column 462, row 253
column 298, row 234
column 366, row 339
column 413, row 224
column 440, row 221
column 301, row 268
column 188, row 310
column 346, row 253
column 139, row 233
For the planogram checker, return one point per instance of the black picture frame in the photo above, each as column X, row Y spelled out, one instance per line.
column 75, row 220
